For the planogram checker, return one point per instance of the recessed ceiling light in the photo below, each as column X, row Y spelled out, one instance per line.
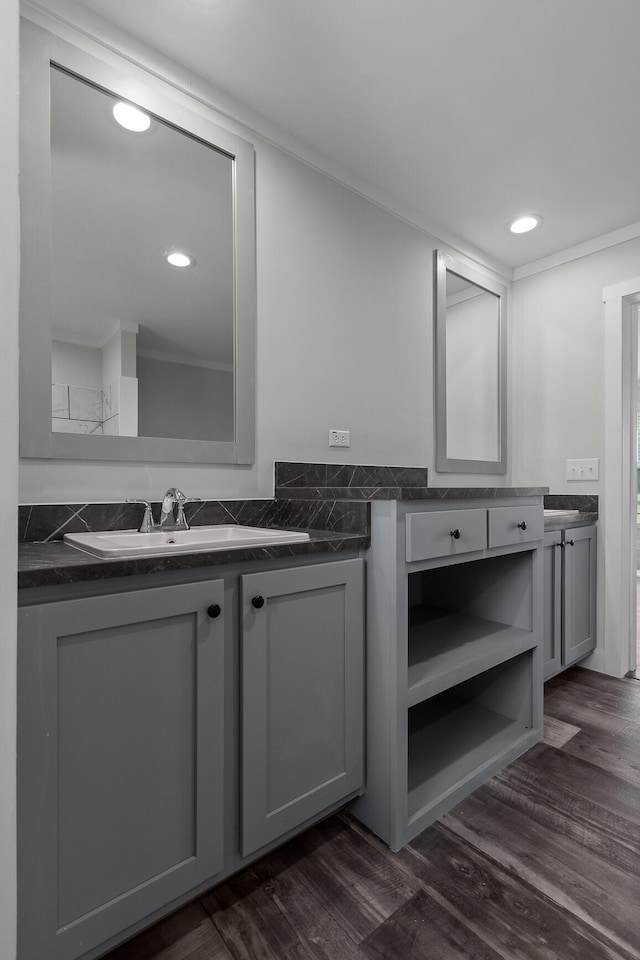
column 524, row 224
column 131, row 118
column 177, row 259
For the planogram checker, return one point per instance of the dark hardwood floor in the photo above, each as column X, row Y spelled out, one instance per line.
column 541, row 863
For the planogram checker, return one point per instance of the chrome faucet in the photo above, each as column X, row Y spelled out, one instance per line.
column 172, row 516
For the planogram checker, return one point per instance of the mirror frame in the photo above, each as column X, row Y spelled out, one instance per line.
column 467, row 270
column 39, row 49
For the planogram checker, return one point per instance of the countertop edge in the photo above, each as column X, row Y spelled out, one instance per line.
column 583, row 520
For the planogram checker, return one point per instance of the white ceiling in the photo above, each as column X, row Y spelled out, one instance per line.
column 457, row 114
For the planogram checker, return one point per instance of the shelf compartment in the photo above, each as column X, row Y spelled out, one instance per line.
column 465, row 618
column 446, row 648
column 457, row 737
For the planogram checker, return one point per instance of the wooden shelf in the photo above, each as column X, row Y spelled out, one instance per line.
column 446, row 648
column 453, row 742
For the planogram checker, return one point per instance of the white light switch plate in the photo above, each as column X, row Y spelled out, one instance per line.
column 583, row 469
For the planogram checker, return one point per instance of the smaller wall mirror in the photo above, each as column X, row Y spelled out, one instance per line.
column 471, row 368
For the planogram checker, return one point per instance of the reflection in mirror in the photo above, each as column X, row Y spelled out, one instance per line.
column 472, row 341
column 470, row 369
column 139, row 347
column 155, row 363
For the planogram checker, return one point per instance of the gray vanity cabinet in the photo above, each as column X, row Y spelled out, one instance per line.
column 578, row 594
column 302, row 695
column 454, row 666
column 119, row 762
column 552, row 592
column 569, row 597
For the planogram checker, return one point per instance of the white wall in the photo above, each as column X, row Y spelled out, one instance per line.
column 558, row 381
column 558, row 366
column 344, row 340
column 9, row 246
column 73, row 363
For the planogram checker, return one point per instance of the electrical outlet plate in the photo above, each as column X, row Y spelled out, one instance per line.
column 339, row 438
column 583, row 469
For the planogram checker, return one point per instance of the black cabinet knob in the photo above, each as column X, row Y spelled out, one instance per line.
column 571, row 543
column 257, row 602
column 214, row 610
column 522, row 526
column 455, row 534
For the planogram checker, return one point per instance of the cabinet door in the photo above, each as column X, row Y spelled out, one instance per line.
column 552, row 593
column 302, row 695
column 579, row 594
column 120, row 755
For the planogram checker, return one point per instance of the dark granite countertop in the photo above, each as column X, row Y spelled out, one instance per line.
column 331, row 503
column 54, row 562
column 408, row 493
column 465, row 493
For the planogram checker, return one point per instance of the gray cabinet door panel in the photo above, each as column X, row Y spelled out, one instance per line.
column 579, row 598
column 120, row 762
column 552, row 614
column 302, row 695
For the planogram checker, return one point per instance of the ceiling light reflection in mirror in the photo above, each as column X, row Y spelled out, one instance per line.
column 138, row 348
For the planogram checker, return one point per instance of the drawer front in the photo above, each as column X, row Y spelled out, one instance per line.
column 445, row 533
column 510, row 525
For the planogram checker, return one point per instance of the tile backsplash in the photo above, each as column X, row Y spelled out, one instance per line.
column 76, row 409
column 49, row 522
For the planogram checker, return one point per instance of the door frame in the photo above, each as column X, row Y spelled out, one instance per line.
column 617, row 654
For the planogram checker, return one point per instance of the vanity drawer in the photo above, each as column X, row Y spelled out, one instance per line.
column 445, row 533
column 509, row 525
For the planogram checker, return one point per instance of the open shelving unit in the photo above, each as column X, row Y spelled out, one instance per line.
column 454, row 688
column 455, row 734
column 464, row 619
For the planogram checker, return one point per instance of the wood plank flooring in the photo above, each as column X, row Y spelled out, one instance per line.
column 542, row 863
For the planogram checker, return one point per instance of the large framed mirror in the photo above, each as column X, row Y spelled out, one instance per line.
column 138, row 298
column 471, row 368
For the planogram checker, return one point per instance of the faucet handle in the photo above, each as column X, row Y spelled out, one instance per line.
column 148, row 523
column 181, row 518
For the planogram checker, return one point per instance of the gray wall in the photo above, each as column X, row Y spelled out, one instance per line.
column 9, row 246
column 182, row 400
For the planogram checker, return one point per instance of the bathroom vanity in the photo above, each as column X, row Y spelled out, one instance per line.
column 173, row 727
column 180, row 716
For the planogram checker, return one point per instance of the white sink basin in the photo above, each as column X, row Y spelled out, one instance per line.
column 114, row 544
column 561, row 513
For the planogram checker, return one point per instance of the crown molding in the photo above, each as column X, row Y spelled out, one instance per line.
column 631, row 232
column 70, row 15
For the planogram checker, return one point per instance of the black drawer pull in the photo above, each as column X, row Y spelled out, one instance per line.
column 455, row 534
column 257, row 602
column 522, row 526
column 571, row 543
column 214, row 610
